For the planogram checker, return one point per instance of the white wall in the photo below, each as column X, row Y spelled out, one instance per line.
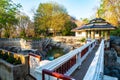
column 83, row 34
column 97, row 36
column 80, row 34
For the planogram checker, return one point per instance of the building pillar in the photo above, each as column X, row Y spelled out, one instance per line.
column 106, row 35
column 92, row 34
column 99, row 34
column 86, row 34
column 102, row 34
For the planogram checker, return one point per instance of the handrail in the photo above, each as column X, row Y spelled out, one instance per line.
column 61, row 61
column 55, row 74
column 95, row 71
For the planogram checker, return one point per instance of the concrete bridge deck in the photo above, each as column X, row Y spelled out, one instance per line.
column 80, row 73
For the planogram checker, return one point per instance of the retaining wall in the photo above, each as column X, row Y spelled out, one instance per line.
column 14, row 72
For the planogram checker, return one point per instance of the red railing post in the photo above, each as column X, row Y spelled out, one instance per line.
column 84, row 51
column 43, row 75
column 66, row 66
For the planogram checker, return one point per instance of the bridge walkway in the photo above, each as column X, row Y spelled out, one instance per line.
column 80, row 73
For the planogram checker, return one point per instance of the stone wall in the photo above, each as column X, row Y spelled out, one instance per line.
column 9, row 42
column 70, row 40
column 14, row 72
column 38, row 44
column 24, row 44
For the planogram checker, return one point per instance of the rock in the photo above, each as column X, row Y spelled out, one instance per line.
column 112, row 71
column 115, row 43
column 117, row 48
column 115, row 73
column 106, row 71
column 112, row 67
column 110, row 57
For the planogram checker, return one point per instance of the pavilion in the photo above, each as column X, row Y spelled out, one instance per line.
column 97, row 28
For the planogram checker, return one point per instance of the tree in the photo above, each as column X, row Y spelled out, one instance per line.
column 69, row 25
column 8, row 11
column 109, row 10
column 50, row 16
column 85, row 20
column 23, row 24
column 30, row 30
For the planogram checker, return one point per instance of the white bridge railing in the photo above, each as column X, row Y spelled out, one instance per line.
column 95, row 71
column 67, row 63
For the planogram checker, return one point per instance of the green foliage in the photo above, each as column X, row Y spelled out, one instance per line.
column 109, row 10
column 115, row 32
column 0, row 56
column 83, row 40
column 85, row 20
column 8, row 11
column 6, row 34
column 50, row 16
column 17, row 61
column 69, row 25
column 22, row 34
column 0, row 53
column 5, row 56
column 9, row 58
column 23, row 24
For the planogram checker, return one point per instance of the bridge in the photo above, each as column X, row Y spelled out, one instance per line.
column 84, row 63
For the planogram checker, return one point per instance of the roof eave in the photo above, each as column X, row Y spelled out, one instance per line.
column 94, row 29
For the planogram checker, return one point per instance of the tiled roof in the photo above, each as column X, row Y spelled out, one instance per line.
column 97, row 23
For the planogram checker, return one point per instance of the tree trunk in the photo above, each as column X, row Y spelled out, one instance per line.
column 0, row 33
column 54, row 33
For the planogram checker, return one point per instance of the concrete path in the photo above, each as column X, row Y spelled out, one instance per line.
column 80, row 73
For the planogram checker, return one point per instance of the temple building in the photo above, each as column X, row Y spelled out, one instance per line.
column 97, row 28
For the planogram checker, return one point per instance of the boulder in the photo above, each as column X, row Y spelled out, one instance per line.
column 106, row 71
column 117, row 48
column 115, row 43
column 110, row 57
column 111, row 68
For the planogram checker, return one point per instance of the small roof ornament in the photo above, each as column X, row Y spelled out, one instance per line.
column 97, row 14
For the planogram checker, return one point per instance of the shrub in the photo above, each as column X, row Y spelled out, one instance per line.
column 1, row 55
column 18, row 61
column 10, row 58
column 83, row 40
column 115, row 32
column 5, row 56
column 0, row 51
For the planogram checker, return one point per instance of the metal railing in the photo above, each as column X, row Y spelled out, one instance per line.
column 95, row 71
column 68, row 63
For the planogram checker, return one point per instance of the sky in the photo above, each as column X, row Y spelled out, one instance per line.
column 76, row 8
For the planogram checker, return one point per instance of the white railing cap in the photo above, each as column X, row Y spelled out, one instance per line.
column 96, row 67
